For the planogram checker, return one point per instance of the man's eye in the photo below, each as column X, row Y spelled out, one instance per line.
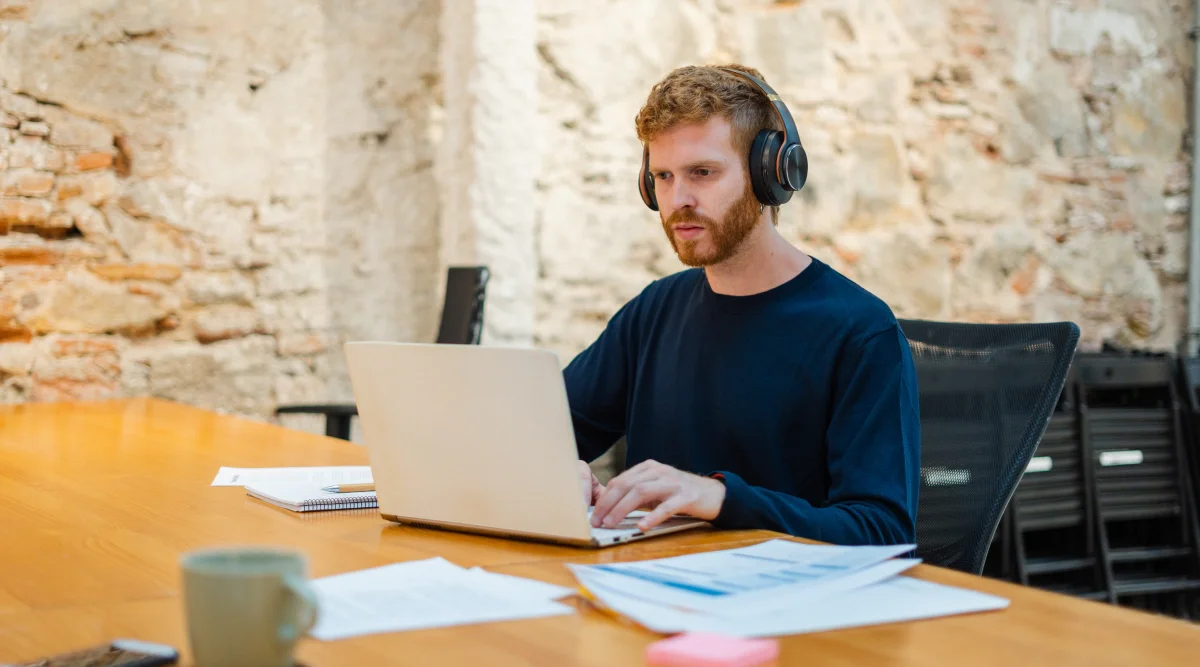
column 703, row 172
column 663, row 175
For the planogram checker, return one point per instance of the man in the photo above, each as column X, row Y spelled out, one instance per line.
column 760, row 388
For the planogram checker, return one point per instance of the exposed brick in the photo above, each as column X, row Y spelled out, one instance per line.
column 78, row 347
column 218, row 287
column 94, row 187
column 19, row 105
column 29, row 255
column 16, row 359
column 225, row 322
column 14, row 11
column 164, row 273
column 89, row 161
column 33, row 153
column 9, row 120
column 14, row 334
column 303, row 343
column 70, row 190
column 66, row 389
column 85, row 303
column 35, row 184
column 1024, row 280
column 144, row 289
column 59, row 220
column 27, row 182
column 35, row 129
column 72, row 131
column 23, row 212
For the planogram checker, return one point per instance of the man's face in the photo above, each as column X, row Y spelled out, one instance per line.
column 704, row 197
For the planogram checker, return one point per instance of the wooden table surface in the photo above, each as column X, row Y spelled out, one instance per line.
column 98, row 501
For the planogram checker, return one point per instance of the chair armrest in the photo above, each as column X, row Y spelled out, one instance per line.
column 327, row 409
column 337, row 416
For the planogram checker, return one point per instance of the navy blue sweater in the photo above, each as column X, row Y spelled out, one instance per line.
column 802, row 398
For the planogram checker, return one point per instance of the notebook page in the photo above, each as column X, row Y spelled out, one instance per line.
column 321, row 475
column 297, row 493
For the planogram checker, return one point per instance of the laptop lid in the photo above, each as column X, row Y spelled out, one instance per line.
column 470, row 436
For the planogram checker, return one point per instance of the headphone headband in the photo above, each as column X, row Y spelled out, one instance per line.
column 791, row 136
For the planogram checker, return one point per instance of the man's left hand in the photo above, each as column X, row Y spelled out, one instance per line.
column 665, row 490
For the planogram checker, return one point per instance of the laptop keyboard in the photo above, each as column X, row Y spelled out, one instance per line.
column 628, row 526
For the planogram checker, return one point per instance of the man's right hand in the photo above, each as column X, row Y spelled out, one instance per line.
column 588, row 484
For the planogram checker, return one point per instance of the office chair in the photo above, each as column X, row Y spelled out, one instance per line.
column 986, row 395
column 1149, row 537
column 461, row 324
column 1052, row 528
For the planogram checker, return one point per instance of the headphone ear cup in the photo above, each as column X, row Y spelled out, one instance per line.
column 763, row 177
column 646, row 183
column 795, row 167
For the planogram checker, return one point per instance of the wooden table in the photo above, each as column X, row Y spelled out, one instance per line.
column 99, row 500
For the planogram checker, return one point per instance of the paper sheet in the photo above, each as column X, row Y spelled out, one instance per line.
column 522, row 586
column 894, row 600
column 760, row 577
column 425, row 594
column 757, row 602
column 318, row 474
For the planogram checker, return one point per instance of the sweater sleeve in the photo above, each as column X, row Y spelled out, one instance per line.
column 598, row 380
column 873, row 441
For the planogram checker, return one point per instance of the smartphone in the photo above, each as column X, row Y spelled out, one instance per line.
column 119, row 653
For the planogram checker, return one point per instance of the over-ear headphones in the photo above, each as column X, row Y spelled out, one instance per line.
column 778, row 164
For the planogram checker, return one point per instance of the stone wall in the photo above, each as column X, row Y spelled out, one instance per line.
column 971, row 160
column 202, row 200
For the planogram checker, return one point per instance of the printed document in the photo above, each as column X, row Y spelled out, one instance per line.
column 323, row 475
column 430, row 593
column 766, row 576
column 893, row 600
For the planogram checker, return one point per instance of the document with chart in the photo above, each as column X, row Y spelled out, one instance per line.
column 759, row 578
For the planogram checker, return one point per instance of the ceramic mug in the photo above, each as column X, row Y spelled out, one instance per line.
column 246, row 607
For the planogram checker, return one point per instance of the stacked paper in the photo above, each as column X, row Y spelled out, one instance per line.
column 775, row 588
column 423, row 594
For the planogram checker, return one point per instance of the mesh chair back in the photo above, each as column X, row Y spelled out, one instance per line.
column 462, row 309
column 986, row 393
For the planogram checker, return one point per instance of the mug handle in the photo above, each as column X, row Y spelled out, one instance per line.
column 306, row 609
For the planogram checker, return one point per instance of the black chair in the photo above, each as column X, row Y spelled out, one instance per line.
column 1053, row 528
column 986, row 393
column 1149, row 538
column 461, row 324
column 1189, row 377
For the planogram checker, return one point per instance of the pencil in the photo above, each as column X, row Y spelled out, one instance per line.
column 349, row 488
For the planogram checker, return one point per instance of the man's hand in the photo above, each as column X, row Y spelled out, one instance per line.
column 653, row 485
column 588, row 484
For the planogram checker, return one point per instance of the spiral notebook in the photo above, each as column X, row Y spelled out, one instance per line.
column 308, row 496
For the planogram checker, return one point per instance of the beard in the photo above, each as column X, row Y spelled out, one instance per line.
column 726, row 237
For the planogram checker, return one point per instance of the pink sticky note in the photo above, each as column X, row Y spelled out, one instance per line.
column 711, row 650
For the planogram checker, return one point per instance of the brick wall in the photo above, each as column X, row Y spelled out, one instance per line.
column 200, row 201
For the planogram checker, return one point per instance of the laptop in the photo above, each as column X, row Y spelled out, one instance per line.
column 477, row 439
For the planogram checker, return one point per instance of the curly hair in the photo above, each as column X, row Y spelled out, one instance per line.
column 694, row 93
